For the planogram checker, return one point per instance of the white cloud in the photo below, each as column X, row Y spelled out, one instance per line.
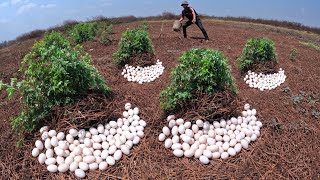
column 15, row 2
column 4, row 20
column 4, row 4
column 25, row 8
column 47, row 6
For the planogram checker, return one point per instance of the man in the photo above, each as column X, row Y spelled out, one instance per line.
column 193, row 18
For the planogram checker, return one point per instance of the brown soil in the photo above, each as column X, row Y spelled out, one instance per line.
column 288, row 147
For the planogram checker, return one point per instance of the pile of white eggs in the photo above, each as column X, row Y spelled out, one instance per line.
column 143, row 74
column 96, row 148
column 265, row 81
column 206, row 141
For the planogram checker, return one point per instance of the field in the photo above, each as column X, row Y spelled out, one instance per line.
column 288, row 147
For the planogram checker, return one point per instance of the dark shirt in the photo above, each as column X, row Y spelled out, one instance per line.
column 188, row 13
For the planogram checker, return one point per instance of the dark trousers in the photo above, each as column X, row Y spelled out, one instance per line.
column 199, row 24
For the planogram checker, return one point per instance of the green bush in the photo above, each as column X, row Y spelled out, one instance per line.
column 200, row 70
column 83, row 32
column 136, row 41
column 144, row 25
column 293, row 54
column 256, row 51
column 54, row 73
column 105, row 27
column 105, row 38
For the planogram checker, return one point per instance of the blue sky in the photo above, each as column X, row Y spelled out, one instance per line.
column 20, row 16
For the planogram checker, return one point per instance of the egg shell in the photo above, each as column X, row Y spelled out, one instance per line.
column 136, row 111
column 87, row 152
column 162, row 137
column 112, row 149
column 70, row 138
column 60, row 136
column 136, row 140
column 44, row 129
column 93, row 131
column 63, row 168
column 96, row 138
column 237, row 147
column 204, row 160
column 35, row 152
column 166, row 131
column 195, row 128
column 78, row 159
column 232, row 152
column 142, row 123
column 93, row 166
column 117, row 155
column 42, row 158
column 181, row 129
column 88, row 134
column 73, row 166
column 50, row 161
column 189, row 153
column 198, row 153
column 103, row 166
column 225, row 146
column 216, row 155
column 168, row 143
column 178, row 152
column 52, row 133
column 39, row 144
column 207, row 153
column 244, row 143
column 77, row 151
column 44, row 136
column 82, row 133
column 203, row 140
column 80, row 173
column 52, row 168
column 62, row 145
column 110, row 160
column 224, row 155
column 179, row 121
column 125, row 149
column 139, row 128
column 84, row 166
column 60, row 160
column 187, row 125
column 89, row 159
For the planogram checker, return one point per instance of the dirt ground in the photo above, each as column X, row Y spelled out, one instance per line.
column 289, row 145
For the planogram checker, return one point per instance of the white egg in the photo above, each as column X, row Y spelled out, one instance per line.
column 73, row 132
column 52, row 133
column 80, row 173
column 225, row 146
column 62, row 145
column 63, row 168
column 198, row 153
column 127, row 106
column 244, row 143
column 216, row 155
column 204, row 160
column 44, row 136
column 259, row 124
column 199, row 123
column 223, row 123
column 226, row 138
column 253, row 137
column 181, row 129
column 52, row 168
column 110, row 160
column 88, row 135
column 125, row 114
column 54, row 141
column 60, row 136
column 189, row 153
column 136, row 140
column 117, row 155
column 42, row 158
column 237, row 147
column 103, row 166
column 142, row 123
column 100, row 128
column 171, row 117
column 73, row 166
column 178, row 153
column 219, row 138
column 39, row 144
column 234, row 120
column 231, row 152
column 44, row 129
column 84, row 166
column 89, row 159
column 224, row 155
column 35, row 152
column 254, row 112
column 50, row 161
column 125, row 149
column 233, row 142
column 207, row 153
column 49, row 153
column 174, row 130
column 168, row 143
column 166, row 131
column 179, row 121
column 136, row 111
column 203, row 139
column 70, row 138
column 82, row 133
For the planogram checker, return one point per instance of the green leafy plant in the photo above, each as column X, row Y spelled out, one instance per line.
column 200, row 70
column 135, row 41
column 54, row 73
column 83, row 32
column 293, row 54
column 105, row 38
column 256, row 51
column 104, row 26
column 144, row 25
column 310, row 45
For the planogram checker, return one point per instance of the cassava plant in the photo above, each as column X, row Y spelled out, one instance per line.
column 83, row 32
column 256, row 51
column 199, row 70
column 135, row 41
column 54, row 73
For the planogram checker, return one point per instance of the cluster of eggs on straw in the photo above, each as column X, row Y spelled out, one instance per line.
column 143, row 74
column 206, row 141
column 97, row 148
column 265, row 81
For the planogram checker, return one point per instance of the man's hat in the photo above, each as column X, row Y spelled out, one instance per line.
column 184, row 3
